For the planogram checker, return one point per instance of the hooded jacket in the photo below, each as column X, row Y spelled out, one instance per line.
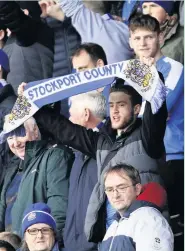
column 142, row 227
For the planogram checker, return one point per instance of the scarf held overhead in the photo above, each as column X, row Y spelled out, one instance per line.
column 144, row 79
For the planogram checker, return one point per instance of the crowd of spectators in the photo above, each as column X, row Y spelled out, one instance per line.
column 98, row 170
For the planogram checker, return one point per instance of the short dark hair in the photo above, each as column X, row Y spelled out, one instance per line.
column 6, row 245
column 119, row 86
column 5, row 74
column 129, row 170
column 140, row 21
column 95, row 51
column 11, row 238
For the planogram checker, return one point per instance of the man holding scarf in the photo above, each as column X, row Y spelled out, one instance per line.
column 139, row 143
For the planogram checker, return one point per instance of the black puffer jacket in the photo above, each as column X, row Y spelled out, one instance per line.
column 66, row 42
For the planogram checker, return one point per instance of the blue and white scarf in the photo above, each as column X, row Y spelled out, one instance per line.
column 144, row 79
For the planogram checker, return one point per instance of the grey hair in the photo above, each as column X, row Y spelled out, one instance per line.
column 94, row 101
column 30, row 124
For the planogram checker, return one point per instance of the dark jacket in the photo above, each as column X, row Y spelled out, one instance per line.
column 7, row 100
column 45, row 179
column 83, row 178
column 67, row 40
column 30, row 47
column 141, row 146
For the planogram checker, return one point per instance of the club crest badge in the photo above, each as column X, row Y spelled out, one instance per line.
column 31, row 216
column 139, row 73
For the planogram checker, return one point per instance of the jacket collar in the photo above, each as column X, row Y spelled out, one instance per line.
column 56, row 247
column 34, row 149
column 130, row 129
column 99, row 126
column 133, row 207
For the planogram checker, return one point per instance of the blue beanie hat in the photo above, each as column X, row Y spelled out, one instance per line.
column 4, row 61
column 168, row 6
column 37, row 213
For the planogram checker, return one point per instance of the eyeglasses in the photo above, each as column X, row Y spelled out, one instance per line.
column 44, row 230
column 117, row 189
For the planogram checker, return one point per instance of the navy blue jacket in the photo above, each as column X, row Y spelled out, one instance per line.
column 82, row 181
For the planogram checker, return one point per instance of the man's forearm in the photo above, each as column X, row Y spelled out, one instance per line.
column 68, row 133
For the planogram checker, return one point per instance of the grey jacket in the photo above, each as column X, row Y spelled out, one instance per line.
column 28, row 64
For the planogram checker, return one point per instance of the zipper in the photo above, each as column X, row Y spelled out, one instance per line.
column 123, row 218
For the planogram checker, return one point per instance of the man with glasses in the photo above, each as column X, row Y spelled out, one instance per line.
column 39, row 229
column 139, row 224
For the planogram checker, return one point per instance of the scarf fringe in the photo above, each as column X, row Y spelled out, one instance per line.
column 159, row 97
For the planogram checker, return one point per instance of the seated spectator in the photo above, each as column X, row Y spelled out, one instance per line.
column 139, row 224
column 7, row 100
column 145, row 40
column 40, row 168
column 30, row 45
column 12, row 238
column 39, row 229
column 172, row 43
column 6, row 246
column 88, row 110
column 94, row 25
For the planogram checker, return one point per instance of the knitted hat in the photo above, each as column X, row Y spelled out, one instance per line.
column 37, row 213
column 168, row 6
column 4, row 61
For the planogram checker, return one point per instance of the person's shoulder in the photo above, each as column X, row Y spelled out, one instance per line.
column 169, row 67
column 146, row 211
column 59, row 149
column 173, row 62
column 150, row 215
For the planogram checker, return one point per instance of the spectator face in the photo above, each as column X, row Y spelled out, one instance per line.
column 120, row 190
column 3, row 249
column 77, row 114
column 83, row 62
column 17, row 144
column 121, row 110
column 41, row 241
column 155, row 10
column 145, row 43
